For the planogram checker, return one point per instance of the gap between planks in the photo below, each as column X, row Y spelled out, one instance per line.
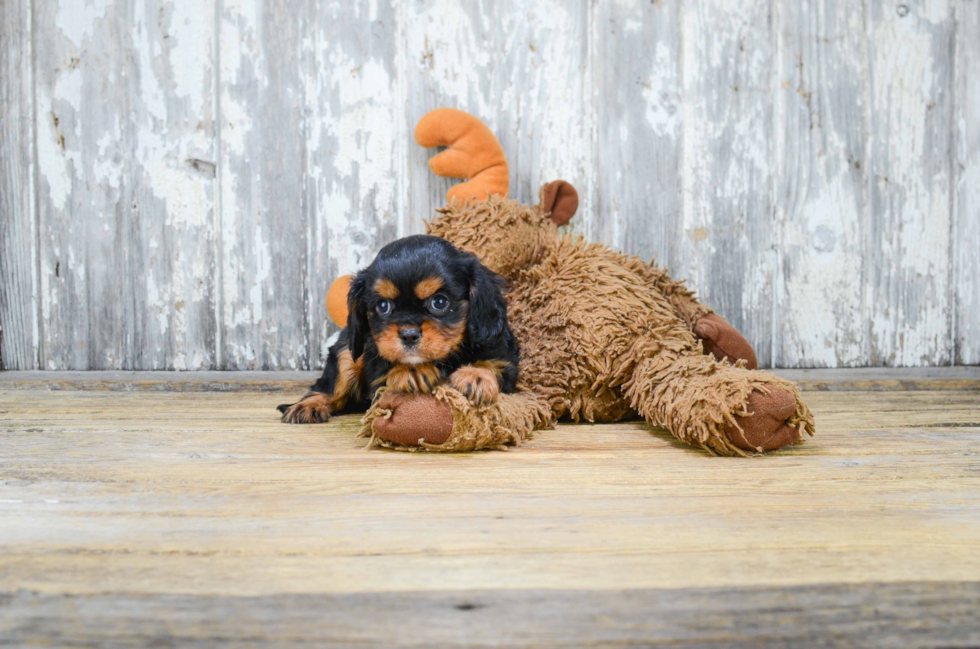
column 958, row 379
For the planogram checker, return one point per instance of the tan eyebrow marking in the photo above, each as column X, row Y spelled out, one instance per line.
column 427, row 287
column 386, row 289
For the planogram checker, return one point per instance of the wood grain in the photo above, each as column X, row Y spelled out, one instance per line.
column 264, row 248
column 18, row 246
column 906, row 615
column 955, row 379
column 727, row 65
column 819, row 200
column 639, row 117
column 125, row 155
column 907, row 279
column 966, row 240
column 183, row 180
column 210, row 494
column 130, row 516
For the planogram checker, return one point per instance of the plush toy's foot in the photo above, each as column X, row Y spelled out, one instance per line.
column 717, row 406
column 446, row 421
column 415, row 419
column 767, row 428
column 723, row 341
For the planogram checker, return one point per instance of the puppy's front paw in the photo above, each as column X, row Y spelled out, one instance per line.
column 478, row 384
column 314, row 408
column 413, row 378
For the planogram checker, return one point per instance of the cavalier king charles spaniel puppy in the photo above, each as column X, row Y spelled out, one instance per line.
column 422, row 313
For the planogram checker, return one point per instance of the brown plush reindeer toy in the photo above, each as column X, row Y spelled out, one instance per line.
column 604, row 336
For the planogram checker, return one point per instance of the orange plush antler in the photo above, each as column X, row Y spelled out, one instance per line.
column 474, row 153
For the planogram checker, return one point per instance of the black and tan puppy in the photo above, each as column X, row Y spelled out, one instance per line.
column 422, row 313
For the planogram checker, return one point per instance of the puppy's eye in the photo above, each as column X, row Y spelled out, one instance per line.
column 438, row 304
column 384, row 307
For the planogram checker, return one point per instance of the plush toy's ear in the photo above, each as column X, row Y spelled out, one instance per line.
column 488, row 309
column 474, row 153
column 561, row 199
column 337, row 299
column 358, row 328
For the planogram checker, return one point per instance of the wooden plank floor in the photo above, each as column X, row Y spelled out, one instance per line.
column 130, row 518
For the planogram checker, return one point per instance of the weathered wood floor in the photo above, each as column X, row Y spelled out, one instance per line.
column 143, row 517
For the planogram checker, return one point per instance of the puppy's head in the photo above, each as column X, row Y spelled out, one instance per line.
column 420, row 299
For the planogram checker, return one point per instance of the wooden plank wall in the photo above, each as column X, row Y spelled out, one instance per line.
column 182, row 179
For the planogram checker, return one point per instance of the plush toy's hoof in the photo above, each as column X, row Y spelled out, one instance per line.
column 766, row 428
column 723, row 341
column 413, row 417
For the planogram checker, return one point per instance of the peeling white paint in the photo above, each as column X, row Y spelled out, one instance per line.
column 757, row 141
column 661, row 93
column 76, row 18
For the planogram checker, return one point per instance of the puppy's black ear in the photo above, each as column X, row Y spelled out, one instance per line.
column 358, row 328
column 487, row 318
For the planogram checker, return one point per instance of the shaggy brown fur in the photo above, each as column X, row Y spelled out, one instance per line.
column 603, row 336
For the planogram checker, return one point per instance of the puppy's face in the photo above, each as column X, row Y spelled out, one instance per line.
column 414, row 301
column 416, row 317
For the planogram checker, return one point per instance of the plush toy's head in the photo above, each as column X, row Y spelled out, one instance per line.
column 507, row 236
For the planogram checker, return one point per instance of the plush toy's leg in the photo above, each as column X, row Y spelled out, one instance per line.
column 723, row 341
column 447, row 421
column 719, row 338
column 717, row 406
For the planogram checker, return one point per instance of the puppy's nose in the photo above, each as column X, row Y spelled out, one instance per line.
column 409, row 335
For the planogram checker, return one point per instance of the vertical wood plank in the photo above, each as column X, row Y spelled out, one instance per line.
column 910, row 312
column 524, row 69
column 449, row 60
column 264, row 228
column 542, row 92
column 175, row 157
column 967, row 213
column 638, row 120
column 125, row 160
column 18, row 240
column 727, row 64
column 820, row 163
column 356, row 147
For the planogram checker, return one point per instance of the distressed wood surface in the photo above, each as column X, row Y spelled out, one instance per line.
column 196, row 509
column 125, row 154
column 183, row 180
column 961, row 378
column 18, row 261
column 910, row 310
column 727, row 173
column 820, row 204
column 967, row 191
column 900, row 616
column 638, row 138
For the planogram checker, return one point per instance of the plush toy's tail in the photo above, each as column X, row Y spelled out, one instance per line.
column 474, row 153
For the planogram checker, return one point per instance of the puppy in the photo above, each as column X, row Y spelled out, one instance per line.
column 422, row 313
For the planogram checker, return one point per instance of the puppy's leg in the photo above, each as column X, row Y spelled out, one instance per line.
column 314, row 408
column 340, row 383
column 422, row 378
column 479, row 382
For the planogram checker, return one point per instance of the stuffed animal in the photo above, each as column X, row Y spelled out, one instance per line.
column 604, row 336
